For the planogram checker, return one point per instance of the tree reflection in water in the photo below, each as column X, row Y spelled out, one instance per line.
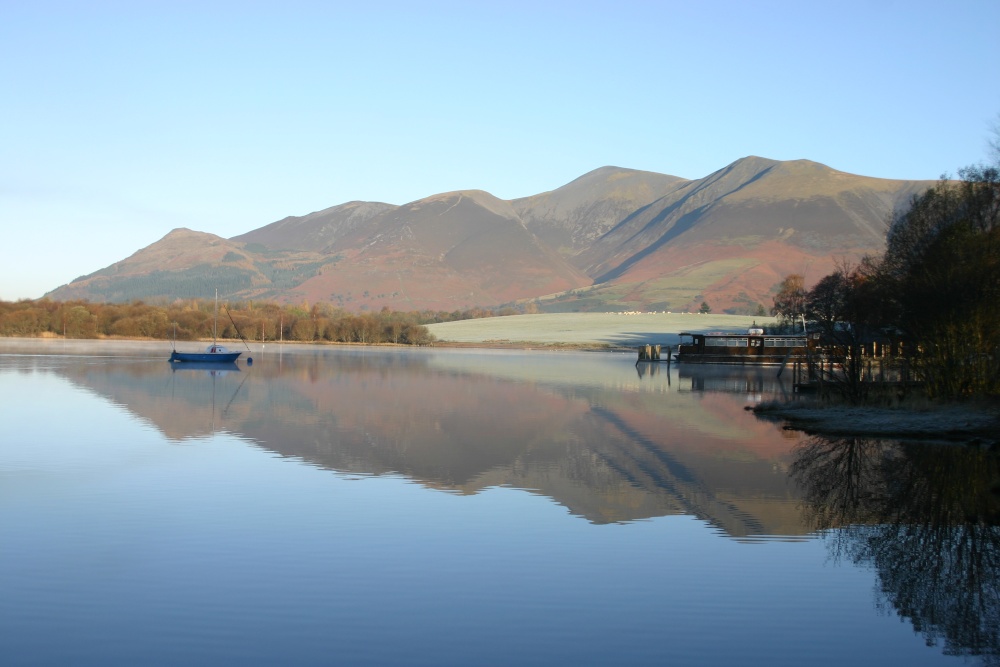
column 926, row 518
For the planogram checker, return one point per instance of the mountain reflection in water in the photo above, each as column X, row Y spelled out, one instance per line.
column 583, row 429
column 924, row 517
column 153, row 496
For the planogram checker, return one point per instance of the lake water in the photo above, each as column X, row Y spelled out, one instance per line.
column 370, row 506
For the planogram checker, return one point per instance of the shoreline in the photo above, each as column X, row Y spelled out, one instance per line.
column 611, row 331
column 485, row 345
column 529, row 345
column 23, row 341
column 972, row 424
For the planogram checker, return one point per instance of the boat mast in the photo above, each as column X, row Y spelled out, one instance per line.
column 215, row 322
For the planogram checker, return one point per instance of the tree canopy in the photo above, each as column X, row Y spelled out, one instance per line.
column 937, row 285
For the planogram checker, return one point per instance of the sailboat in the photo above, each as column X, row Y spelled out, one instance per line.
column 214, row 353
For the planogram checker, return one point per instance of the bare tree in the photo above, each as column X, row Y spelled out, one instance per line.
column 790, row 301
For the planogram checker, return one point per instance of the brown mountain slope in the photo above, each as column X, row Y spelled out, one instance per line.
column 451, row 250
column 315, row 231
column 572, row 217
column 184, row 263
column 745, row 227
column 611, row 239
column 181, row 249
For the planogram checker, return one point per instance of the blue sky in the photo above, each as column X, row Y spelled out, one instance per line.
column 120, row 121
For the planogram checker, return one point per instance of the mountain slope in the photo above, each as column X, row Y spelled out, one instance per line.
column 315, row 231
column 745, row 227
column 450, row 250
column 611, row 239
column 573, row 216
column 191, row 264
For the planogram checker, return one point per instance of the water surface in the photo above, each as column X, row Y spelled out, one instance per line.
column 446, row 507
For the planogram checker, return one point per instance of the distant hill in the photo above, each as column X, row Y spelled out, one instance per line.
column 612, row 239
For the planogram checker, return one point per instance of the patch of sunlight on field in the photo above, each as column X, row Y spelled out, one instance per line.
column 675, row 291
column 589, row 328
column 684, row 287
column 608, row 293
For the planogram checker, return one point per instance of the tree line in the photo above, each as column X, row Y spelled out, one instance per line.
column 192, row 319
column 935, row 290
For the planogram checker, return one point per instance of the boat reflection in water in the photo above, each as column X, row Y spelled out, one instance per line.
column 758, row 382
column 209, row 368
column 190, row 385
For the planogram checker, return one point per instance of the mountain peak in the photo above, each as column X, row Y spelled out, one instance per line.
column 635, row 239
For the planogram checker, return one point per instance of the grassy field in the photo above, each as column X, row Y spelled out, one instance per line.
column 600, row 329
column 679, row 290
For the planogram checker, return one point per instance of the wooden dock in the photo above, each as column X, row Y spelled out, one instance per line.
column 651, row 353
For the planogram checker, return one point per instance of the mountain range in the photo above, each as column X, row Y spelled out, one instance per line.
column 613, row 239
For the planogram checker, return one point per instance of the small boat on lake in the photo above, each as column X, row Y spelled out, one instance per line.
column 753, row 347
column 213, row 354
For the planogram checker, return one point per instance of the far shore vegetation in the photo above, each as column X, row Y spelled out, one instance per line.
column 927, row 310
column 192, row 319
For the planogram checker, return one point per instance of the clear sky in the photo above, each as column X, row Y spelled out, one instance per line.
column 120, row 121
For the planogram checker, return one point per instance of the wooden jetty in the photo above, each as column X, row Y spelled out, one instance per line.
column 652, row 353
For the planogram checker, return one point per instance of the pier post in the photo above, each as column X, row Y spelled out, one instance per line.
column 650, row 352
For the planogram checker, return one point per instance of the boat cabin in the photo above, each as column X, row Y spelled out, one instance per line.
column 752, row 347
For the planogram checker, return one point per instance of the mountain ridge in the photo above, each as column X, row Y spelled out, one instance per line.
column 613, row 238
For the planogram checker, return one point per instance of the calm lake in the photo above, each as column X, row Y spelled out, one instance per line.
column 377, row 506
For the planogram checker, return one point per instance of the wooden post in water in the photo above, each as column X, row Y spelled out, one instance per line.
column 649, row 352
